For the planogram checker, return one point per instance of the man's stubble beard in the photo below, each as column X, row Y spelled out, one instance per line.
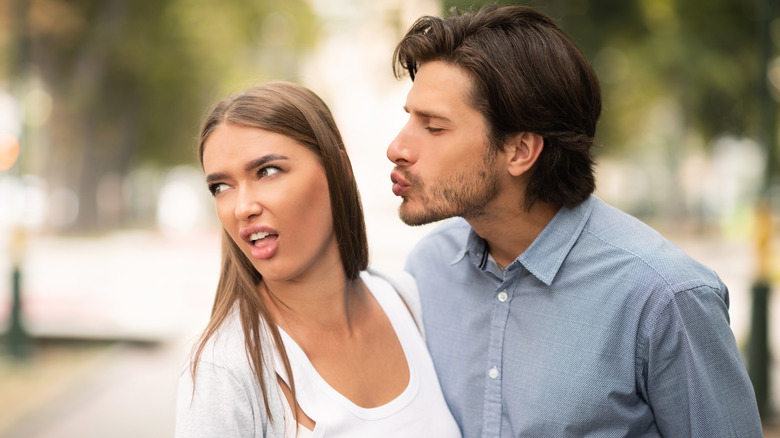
column 464, row 194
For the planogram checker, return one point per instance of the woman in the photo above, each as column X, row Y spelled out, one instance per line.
column 302, row 341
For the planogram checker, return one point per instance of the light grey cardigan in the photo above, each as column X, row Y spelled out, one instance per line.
column 227, row 400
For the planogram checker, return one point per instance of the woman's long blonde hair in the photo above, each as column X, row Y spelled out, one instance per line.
column 298, row 113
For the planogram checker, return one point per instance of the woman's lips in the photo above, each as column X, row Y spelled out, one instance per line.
column 265, row 247
column 263, row 241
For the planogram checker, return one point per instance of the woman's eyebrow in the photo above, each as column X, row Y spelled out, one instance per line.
column 252, row 165
column 215, row 177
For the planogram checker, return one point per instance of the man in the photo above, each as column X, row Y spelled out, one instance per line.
column 547, row 312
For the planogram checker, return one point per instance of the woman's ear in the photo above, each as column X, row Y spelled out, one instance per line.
column 522, row 152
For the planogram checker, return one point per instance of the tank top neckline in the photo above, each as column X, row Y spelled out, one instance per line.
column 401, row 321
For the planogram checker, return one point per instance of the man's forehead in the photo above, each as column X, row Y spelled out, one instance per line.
column 440, row 91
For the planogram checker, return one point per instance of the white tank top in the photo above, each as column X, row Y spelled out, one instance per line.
column 419, row 411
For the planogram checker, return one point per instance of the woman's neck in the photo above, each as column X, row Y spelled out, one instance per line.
column 329, row 303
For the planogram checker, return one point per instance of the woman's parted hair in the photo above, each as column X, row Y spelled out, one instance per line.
column 528, row 76
column 296, row 112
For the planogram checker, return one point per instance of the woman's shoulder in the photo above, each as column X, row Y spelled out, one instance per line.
column 403, row 283
column 226, row 347
column 223, row 397
column 400, row 280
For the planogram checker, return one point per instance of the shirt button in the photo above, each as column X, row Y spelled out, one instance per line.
column 493, row 373
column 502, row 296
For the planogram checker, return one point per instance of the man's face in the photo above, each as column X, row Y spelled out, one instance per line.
column 445, row 165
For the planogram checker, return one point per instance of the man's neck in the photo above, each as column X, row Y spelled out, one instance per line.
column 509, row 232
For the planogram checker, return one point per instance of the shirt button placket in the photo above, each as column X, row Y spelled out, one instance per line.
column 491, row 409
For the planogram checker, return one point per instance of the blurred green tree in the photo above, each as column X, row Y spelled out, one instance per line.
column 701, row 54
column 675, row 75
column 130, row 79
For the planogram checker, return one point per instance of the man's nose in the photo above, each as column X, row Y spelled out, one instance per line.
column 400, row 150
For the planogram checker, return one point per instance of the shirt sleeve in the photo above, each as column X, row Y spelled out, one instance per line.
column 696, row 382
column 218, row 407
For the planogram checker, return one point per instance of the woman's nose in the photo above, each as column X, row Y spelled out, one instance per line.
column 247, row 204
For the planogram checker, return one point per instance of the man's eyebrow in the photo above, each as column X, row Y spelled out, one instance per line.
column 252, row 165
column 427, row 114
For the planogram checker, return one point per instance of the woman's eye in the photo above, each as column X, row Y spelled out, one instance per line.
column 217, row 188
column 433, row 130
column 267, row 171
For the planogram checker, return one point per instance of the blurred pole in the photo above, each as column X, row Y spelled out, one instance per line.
column 758, row 348
column 17, row 337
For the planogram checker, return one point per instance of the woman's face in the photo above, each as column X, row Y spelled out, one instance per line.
column 271, row 195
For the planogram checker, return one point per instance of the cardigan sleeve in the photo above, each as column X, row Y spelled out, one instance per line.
column 225, row 398
column 218, row 405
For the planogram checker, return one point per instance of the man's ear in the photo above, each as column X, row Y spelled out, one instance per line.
column 522, row 152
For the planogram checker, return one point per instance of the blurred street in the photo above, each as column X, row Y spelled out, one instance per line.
column 111, row 376
column 122, row 390
column 116, row 317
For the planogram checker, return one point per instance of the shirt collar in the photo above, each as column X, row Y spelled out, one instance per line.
column 545, row 256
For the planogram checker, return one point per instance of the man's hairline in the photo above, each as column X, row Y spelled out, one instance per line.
column 495, row 140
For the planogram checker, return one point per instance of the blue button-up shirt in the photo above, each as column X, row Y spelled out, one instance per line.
column 601, row 328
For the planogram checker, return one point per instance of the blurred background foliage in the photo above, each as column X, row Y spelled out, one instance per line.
column 109, row 87
column 681, row 80
column 702, row 54
column 124, row 83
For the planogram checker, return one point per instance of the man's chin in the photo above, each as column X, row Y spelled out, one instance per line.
column 416, row 217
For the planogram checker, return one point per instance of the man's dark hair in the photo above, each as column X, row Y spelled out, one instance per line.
column 528, row 76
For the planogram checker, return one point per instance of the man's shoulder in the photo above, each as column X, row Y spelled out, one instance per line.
column 643, row 247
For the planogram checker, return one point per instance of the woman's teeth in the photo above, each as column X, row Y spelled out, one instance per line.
column 257, row 236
